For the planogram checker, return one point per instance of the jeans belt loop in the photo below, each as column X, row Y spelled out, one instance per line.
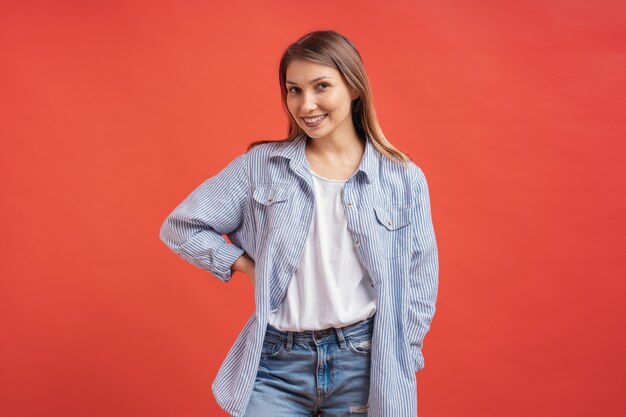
column 342, row 340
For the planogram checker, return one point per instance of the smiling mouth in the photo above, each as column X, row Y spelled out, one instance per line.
column 314, row 121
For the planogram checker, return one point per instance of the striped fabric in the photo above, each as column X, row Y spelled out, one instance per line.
column 263, row 202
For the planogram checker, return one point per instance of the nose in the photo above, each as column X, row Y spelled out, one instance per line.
column 308, row 102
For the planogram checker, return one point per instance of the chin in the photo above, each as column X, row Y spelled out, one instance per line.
column 315, row 135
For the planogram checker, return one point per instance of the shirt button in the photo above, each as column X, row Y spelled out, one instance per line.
column 270, row 199
column 349, row 205
column 389, row 222
column 357, row 244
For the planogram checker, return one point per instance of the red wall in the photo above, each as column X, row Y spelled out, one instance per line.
column 112, row 112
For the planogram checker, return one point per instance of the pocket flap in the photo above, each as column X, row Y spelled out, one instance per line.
column 271, row 193
column 393, row 218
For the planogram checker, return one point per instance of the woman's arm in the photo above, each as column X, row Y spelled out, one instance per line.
column 424, row 270
column 245, row 265
column 194, row 229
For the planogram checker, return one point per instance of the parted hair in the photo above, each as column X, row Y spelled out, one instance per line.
column 331, row 48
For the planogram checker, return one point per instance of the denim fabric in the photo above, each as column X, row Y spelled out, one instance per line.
column 303, row 373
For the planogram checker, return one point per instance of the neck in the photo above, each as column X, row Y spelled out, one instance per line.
column 337, row 145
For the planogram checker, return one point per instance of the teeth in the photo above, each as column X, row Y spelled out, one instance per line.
column 314, row 119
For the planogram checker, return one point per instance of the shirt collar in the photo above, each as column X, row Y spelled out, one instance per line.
column 294, row 151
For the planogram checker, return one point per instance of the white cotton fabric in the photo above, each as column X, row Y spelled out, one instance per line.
column 329, row 288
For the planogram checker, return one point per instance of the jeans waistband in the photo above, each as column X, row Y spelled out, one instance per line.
column 325, row 335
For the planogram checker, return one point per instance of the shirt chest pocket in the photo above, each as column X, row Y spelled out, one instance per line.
column 395, row 229
column 274, row 204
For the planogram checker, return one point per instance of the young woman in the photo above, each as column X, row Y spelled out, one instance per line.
column 333, row 227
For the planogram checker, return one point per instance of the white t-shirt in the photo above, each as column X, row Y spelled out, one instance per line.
column 329, row 288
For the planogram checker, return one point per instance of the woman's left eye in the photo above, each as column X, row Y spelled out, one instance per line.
column 326, row 84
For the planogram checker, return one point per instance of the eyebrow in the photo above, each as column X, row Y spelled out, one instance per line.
column 312, row 81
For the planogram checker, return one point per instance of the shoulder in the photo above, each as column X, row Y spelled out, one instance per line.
column 406, row 173
column 261, row 153
column 415, row 172
column 267, row 147
column 407, row 178
column 247, row 160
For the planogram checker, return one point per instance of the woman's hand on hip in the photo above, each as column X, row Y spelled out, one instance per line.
column 245, row 265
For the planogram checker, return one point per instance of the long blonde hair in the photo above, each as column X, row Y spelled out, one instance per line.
column 330, row 48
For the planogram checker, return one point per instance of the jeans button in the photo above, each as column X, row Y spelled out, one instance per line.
column 321, row 333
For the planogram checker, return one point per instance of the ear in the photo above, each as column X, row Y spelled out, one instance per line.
column 354, row 95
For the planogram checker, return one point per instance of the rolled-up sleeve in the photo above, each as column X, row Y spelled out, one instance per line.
column 194, row 229
column 424, row 270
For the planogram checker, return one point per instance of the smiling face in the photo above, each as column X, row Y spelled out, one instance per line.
column 319, row 99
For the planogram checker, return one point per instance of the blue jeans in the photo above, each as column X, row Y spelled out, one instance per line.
column 304, row 373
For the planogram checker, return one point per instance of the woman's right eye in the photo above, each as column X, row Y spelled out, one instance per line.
column 291, row 90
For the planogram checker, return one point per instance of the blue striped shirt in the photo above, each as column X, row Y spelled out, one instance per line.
column 263, row 201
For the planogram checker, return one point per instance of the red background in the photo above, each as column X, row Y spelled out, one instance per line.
column 113, row 112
